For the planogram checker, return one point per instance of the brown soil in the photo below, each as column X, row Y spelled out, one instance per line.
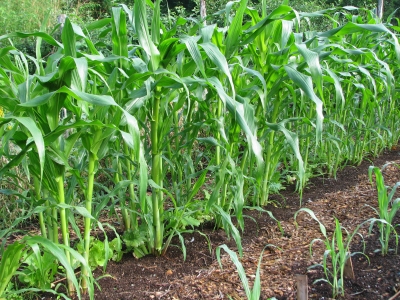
column 200, row 277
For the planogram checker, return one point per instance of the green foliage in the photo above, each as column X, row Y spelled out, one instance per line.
column 39, row 270
column 27, row 16
column 253, row 293
column 186, row 122
column 87, row 11
column 9, row 263
column 101, row 252
column 136, row 241
column 336, row 254
column 391, row 7
column 387, row 208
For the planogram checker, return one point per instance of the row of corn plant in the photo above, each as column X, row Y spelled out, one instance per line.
column 189, row 122
column 36, row 102
column 359, row 116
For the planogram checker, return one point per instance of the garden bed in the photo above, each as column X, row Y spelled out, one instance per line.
column 200, row 277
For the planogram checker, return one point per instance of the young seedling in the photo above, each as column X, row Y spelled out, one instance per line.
column 387, row 208
column 337, row 248
column 255, row 292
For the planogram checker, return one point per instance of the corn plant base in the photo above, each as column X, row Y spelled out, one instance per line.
column 199, row 277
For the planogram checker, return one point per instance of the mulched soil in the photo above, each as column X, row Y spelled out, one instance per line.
column 200, row 277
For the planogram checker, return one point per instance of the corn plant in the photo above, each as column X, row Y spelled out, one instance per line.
column 358, row 98
column 336, row 254
column 39, row 110
column 253, row 293
column 387, row 208
column 188, row 121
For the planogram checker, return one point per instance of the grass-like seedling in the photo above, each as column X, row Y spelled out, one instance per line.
column 251, row 293
column 336, row 254
column 387, row 208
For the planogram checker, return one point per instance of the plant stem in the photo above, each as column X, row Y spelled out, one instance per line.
column 43, row 230
column 268, row 164
column 133, row 215
column 64, row 227
column 124, row 212
column 156, row 171
column 89, row 196
column 54, row 218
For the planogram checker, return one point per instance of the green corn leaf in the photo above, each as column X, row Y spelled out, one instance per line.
column 78, row 31
column 305, row 83
column 219, row 60
column 37, row 138
column 155, row 24
column 235, row 30
column 169, row 49
column 119, row 35
column 98, row 24
column 263, row 95
column 68, row 39
column 52, row 136
column 207, row 33
column 237, row 111
column 256, row 291
column 210, row 140
column 9, row 263
column 394, row 209
column 338, row 88
column 199, row 183
column 215, row 194
column 145, row 41
column 102, row 100
column 191, row 45
column 239, row 267
column 293, row 140
column 311, row 213
column 56, row 250
column 286, row 33
column 269, row 214
column 312, row 60
column 350, row 28
column 6, row 50
column 239, row 196
column 77, row 79
column 230, row 228
column 283, row 12
column 49, row 39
